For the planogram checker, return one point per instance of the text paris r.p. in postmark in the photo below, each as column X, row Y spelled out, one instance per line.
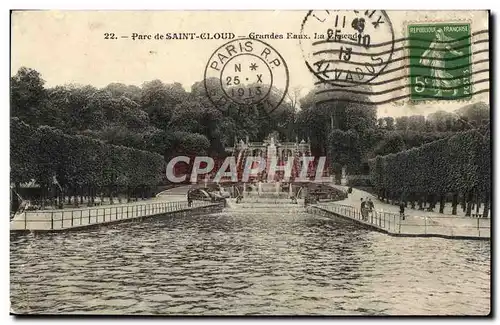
column 246, row 73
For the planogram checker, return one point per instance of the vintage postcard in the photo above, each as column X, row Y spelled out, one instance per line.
column 324, row 162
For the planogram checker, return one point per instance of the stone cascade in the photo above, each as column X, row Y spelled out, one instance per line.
column 269, row 150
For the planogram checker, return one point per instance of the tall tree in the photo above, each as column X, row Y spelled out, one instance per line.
column 474, row 114
column 442, row 121
column 392, row 144
column 28, row 95
column 402, row 123
column 129, row 91
column 328, row 108
column 73, row 105
column 389, row 123
column 416, row 123
column 159, row 100
column 381, row 123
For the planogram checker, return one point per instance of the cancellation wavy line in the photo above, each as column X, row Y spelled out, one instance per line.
column 401, row 97
column 354, row 83
column 402, row 40
column 376, row 93
column 324, row 72
column 414, row 47
column 333, row 51
column 391, row 61
column 399, row 49
column 363, row 64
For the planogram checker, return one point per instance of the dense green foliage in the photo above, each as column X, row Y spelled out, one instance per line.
column 80, row 164
column 458, row 164
column 168, row 120
column 146, row 117
column 149, row 117
column 351, row 133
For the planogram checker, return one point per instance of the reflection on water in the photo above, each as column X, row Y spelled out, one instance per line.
column 238, row 263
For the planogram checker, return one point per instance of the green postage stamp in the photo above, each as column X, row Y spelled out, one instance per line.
column 440, row 61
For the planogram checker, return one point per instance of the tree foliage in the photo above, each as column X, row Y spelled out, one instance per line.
column 166, row 119
column 324, row 110
column 452, row 165
column 78, row 161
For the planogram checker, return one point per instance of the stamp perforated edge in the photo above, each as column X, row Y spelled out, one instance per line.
column 413, row 102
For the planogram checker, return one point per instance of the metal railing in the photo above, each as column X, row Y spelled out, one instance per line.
column 425, row 225
column 62, row 219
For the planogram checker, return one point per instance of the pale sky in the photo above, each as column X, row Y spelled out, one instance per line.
column 70, row 47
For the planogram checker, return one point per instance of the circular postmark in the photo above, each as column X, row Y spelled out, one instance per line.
column 246, row 72
column 347, row 48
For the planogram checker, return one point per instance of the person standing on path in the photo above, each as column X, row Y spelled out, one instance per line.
column 371, row 208
column 189, row 198
column 363, row 209
column 402, row 210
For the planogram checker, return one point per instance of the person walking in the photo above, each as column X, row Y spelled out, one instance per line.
column 363, row 209
column 402, row 210
column 371, row 208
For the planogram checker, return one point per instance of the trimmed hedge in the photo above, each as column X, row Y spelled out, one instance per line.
column 77, row 161
column 458, row 164
column 359, row 180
